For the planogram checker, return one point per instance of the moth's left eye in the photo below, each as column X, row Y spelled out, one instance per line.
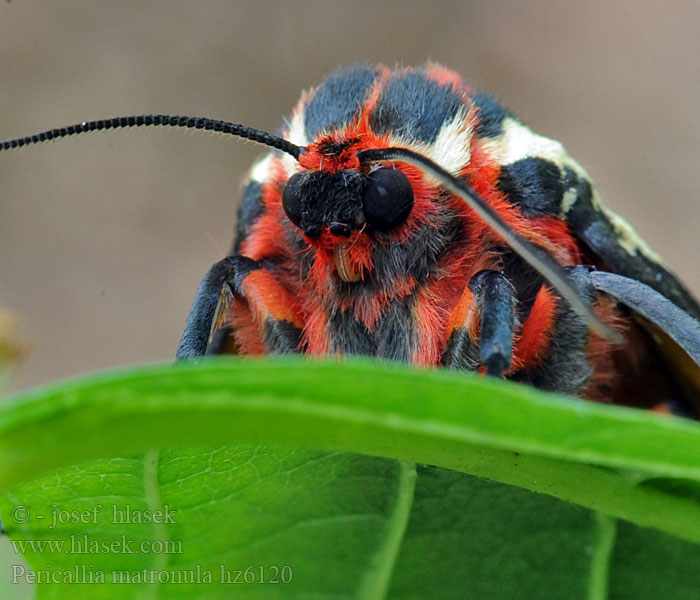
column 291, row 199
column 387, row 199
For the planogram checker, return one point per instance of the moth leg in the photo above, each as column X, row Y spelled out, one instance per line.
column 221, row 329
column 195, row 337
column 481, row 331
column 496, row 298
column 240, row 288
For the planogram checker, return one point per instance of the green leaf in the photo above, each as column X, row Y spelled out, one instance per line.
column 330, row 501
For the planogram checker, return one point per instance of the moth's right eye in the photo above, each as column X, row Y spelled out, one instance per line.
column 387, row 199
column 291, row 199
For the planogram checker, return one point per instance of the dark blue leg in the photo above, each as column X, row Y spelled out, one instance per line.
column 208, row 332
column 496, row 298
column 195, row 338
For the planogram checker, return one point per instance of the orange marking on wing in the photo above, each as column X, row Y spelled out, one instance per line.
column 536, row 331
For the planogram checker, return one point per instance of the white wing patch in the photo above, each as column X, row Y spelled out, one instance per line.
column 452, row 146
column 568, row 200
column 518, row 142
column 262, row 169
column 296, row 132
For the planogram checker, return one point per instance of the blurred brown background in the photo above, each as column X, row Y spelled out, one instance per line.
column 103, row 238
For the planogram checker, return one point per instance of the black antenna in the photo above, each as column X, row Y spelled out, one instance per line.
column 536, row 257
column 255, row 135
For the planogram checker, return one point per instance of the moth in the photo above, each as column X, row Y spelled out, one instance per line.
column 400, row 214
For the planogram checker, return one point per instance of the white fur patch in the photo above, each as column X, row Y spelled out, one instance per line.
column 568, row 200
column 262, row 169
column 289, row 163
column 295, row 128
column 452, row 147
column 518, row 142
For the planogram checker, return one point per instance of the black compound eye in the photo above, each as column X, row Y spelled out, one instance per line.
column 291, row 199
column 387, row 199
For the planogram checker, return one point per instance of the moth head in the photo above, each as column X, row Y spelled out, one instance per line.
column 342, row 207
column 341, row 202
column 336, row 192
